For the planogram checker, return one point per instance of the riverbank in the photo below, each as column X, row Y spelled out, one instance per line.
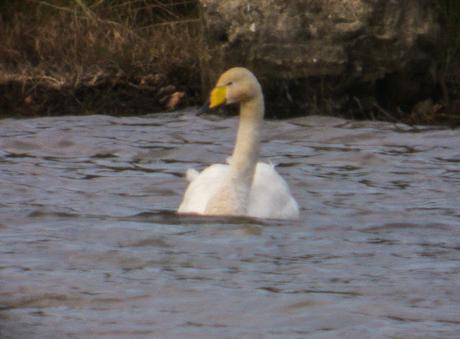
column 135, row 57
column 92, row 57
column 96, row 92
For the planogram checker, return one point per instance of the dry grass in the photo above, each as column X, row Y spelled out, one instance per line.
column 62, row 57
column 130, row 56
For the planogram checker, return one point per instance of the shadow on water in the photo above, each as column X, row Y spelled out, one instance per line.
column 91, row 246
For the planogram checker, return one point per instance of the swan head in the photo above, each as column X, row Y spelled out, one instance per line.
column 236, row 85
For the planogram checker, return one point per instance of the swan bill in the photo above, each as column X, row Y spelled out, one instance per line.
column 218, row 96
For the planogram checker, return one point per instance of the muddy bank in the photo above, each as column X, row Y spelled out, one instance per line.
column 109, row 95
column 376, row 60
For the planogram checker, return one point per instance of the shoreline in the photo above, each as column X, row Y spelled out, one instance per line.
column 50, row 96
column 80, row 58
column 41, row 97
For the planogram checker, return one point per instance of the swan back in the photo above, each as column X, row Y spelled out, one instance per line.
column 269, row 195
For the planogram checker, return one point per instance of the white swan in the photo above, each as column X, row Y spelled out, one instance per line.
column 244, row 187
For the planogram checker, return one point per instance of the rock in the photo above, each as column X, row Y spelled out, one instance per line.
column 174, row 100
column 314, row 56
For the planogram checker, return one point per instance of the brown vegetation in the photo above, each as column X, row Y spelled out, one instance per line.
column 80, row 57
column 138, row 56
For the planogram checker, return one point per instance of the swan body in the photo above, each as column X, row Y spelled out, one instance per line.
column 269, row 193
column 243, row 186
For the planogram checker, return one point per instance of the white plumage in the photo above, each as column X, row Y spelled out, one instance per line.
column 244, row 186
column 269, row 194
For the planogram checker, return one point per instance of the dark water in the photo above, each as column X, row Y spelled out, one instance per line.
column 90, row 246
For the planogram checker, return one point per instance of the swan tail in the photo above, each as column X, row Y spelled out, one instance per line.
column 191, row 174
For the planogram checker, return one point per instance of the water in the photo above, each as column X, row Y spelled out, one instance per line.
column 90, row 246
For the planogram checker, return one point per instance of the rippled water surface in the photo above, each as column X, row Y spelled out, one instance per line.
column 90, row 246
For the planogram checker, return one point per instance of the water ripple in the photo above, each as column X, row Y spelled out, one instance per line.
column 90, row 245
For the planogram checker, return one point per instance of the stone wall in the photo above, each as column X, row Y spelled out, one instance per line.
column 326, row 56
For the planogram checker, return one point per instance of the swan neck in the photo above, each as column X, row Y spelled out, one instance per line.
column 233, row 197
column 247, row 146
